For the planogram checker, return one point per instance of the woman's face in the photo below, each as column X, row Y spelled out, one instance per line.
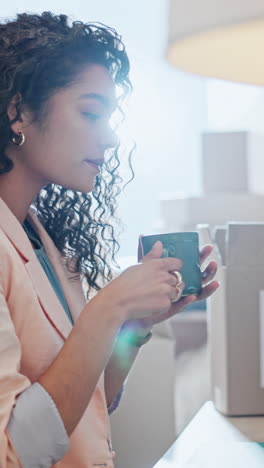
column 68, row 148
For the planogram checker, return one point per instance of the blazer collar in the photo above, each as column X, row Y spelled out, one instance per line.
column 72, row 288
column 15, row 232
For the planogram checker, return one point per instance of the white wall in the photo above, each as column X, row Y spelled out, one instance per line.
column 234, row 106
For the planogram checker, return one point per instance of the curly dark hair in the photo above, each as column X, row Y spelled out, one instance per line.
column 40, row 54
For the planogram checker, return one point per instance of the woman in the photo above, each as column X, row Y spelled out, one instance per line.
column 60, row 374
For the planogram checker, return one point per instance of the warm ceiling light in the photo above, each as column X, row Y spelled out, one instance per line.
column 218, row 38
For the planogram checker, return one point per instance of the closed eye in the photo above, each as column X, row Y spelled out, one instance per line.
column 91, row 115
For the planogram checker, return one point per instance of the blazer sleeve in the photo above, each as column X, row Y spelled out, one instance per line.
column 12, row 383
column 26, row 409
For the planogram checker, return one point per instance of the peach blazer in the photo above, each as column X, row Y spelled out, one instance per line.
column 33, row 328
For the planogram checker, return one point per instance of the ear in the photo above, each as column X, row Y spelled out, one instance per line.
column 12, row 112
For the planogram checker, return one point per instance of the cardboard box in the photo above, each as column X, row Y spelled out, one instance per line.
column 236, row 321
column 185, row 213
column 232, row 162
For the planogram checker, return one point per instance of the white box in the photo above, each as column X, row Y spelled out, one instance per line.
column 234, row 326
column 232, row 162
column 219, row 208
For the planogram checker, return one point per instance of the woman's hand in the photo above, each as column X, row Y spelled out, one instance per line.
column 145, row 289
column 209, row 287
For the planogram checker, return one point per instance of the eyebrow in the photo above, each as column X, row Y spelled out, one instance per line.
column 109, row 103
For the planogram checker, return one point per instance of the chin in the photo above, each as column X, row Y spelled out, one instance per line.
column 86, row 187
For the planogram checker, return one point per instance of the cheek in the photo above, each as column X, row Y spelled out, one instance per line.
column 75, row 132
column 41, row 151
column 65, row 141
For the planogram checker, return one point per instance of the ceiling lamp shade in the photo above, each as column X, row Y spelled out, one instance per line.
column 218, row 38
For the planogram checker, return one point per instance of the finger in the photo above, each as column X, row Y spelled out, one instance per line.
column 182, row 303
column 176, row 292
column 155, row 252
column 172, row 280
column 208, row 290
column 178, row 276
column 170, row 264
column 209, row 273
column 175, row 308
column 205, row 252
column 175, row 280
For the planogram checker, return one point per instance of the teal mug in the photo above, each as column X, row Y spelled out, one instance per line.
column 182, row 245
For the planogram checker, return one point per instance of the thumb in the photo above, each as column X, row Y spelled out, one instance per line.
column 155, row 252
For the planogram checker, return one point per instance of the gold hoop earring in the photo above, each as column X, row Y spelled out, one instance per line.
column 22, row 139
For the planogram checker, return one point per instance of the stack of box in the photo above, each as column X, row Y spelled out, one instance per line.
column 233, row 184
column 233, row 200
column 236, row 319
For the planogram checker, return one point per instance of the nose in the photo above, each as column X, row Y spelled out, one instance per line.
column 111, row 140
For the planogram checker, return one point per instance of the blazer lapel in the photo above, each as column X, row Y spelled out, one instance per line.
column 47, row 297
column 15, row 232
column 45, row 292
column 71, row 285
